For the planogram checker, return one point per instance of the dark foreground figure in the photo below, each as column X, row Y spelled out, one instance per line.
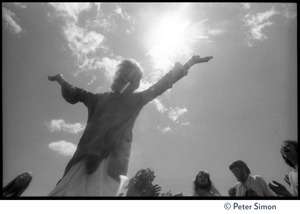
column 18, row 185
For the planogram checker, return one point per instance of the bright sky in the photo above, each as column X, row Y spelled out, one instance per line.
column 240, row 105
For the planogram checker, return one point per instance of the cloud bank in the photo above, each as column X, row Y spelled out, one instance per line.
column 257, row 22
column 10, row 21
column 84, row 38
column 63, row 147
column 61, row 125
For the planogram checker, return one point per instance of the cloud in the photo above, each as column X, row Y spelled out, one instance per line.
column 82, row 43
column 92, row 80
column 106, row 65
column 260, row 21
column 63, row 147
column 124, row 15
column 109, row 65
column 164, row 130
column 288, row 10
column 21, row 5
column 174, row 113
column 246, row 5
column 98, row 6
column 257, row 23
column 129, row 20
column 144, row 85
column 70, row 11
column 185, row 124
column 84, row 39
column 61, row 125
column 102, row 23
column 113, row 18
column 159, row 106
column 9, row 18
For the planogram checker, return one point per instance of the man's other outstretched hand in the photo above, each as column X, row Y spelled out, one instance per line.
column 197, row 59
column 55, row 77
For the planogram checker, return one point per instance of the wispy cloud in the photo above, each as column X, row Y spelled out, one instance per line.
column 123, row 14
column 159, row 106
column 109, row 66
column 106, row 65
column 257, row 23
column 246, row 5
column 70, row 11
column 185, row 124
column 21, row 5
column 10, row 21
column 61, row 125
column 144, row 84
column 83, row 43
column 174, row 113
column 260, row 21
column 288, row 10
column 63, row 147
column 165, row 129
column 84, row 37
column 102, row 23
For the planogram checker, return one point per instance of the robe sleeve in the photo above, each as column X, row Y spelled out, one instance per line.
column 265, row 187
column 165, row 83
column 74, row 95
column 294, row 183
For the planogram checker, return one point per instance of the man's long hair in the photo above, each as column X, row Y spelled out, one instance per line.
column 197, row 186
column 287, row 161
column 239, row 164
column 131, row 64
column 142, row 179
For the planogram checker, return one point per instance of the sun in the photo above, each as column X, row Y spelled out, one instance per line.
column 170, row 38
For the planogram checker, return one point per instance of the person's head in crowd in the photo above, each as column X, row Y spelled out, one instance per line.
column 202, row 181
column 141, row 184
column 203, row 185
column 289, row 152
column 240, row 170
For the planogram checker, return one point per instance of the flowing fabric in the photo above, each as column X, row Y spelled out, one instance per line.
column 256, row 183
column 78, row 183
column 293, row 177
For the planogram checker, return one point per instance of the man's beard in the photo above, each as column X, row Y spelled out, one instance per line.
column 204, row 186
column 243, row 178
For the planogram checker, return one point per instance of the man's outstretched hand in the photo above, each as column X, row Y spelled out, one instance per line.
column 197, row 59
column 55, row 77
column 279, row 189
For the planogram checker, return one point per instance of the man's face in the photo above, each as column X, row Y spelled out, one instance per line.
column 240, row 174
column 202, row 178
column 124, row 82
column 288, row 150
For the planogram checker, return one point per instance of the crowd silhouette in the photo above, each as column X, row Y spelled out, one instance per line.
column 247, row 185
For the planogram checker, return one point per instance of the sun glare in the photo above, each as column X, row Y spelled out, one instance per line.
column 169, row 39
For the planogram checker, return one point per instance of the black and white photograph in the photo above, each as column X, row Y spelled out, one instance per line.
column 148, row 100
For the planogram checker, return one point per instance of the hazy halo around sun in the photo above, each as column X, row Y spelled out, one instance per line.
column 169, row 38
